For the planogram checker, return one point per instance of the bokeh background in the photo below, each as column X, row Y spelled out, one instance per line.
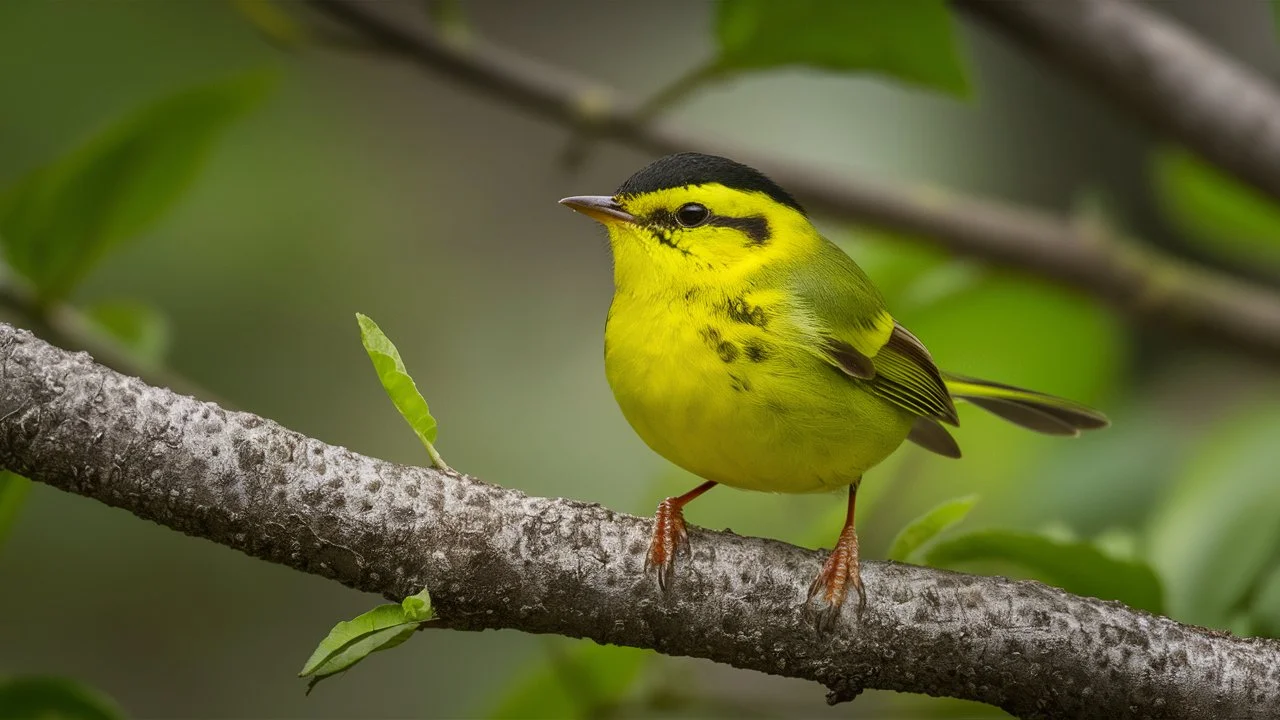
column 360, row 184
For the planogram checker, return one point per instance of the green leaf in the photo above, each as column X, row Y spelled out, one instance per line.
column 351, row 641
column 1225, row 216
column 920, row 531
column 1215, row 533
column 583, row 682
column 911, row 40
column 139, row 327
column 53, row 698
column 13, row 490
column 1074, row 565
column 1265, row 611
column 59, row 221
column 399, row 385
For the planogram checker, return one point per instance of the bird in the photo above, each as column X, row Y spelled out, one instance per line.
column 746, row 348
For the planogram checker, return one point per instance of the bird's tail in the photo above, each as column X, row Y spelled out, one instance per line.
column 1026, row 408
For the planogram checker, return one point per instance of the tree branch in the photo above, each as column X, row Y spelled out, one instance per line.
column 1160, row 72
column 496, row 558
column 1142, row 282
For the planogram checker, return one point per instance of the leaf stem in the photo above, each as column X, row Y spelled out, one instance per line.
column 436, row 461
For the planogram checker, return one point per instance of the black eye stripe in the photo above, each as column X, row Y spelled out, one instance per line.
column 755, row 227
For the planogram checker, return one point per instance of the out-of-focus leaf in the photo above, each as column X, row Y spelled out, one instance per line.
column 913, row 41
column 1225, row 216
column 920, row 531
column 53, row 698
column 399, row 385
column 13, row 490
column 58, row 221
column 583, row 682
column 941, row 283
column 1265, row 612
column 1115, row 476
column 139, row 327
column 1216, row 531
column 275, row 24
column 351, row 641
column 1077, row 566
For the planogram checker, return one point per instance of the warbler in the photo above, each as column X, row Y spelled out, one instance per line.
column 751, row 351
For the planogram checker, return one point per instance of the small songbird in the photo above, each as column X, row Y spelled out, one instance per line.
column 751, row 351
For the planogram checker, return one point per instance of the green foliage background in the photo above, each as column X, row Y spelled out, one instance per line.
column 321, row 185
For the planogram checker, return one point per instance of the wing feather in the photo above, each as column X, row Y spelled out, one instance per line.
column 931, row 436
column 852, row 330
column 907, row 375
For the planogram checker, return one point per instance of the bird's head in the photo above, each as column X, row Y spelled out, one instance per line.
column 691, row 218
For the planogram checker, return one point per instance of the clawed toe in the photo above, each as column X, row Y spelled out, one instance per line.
column 670, row 539
column 839, row 573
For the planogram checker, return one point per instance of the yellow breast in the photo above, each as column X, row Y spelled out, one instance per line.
column 720, row 385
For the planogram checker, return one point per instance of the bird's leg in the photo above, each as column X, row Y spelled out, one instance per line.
column 840, row 572
column 669, row 536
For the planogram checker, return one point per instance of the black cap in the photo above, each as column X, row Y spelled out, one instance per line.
column 690, row 168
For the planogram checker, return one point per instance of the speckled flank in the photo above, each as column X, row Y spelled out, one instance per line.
column 756, row 351
column 496, row 558
column 740, row 311
column 725, row 350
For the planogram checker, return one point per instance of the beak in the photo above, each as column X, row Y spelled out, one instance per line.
column 600, row 208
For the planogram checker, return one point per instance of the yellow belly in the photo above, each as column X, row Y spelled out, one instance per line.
column 729, row 403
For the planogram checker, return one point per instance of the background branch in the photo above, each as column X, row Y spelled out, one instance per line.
column 496, row 558
column 1160, row 72
column 1142, row 282
column 64, row 326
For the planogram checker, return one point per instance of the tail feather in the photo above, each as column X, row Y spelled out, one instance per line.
column 1026, row 408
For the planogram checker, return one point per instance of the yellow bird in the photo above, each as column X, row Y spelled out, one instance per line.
column 751, row 351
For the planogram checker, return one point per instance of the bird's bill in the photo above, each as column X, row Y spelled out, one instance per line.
column 601, row 208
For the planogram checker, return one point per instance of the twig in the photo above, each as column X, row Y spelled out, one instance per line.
column 69, row 329
column 1145, row 283
column 496, row 558
column 1160, row 72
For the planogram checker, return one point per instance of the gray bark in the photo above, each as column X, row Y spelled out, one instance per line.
column 497, row 558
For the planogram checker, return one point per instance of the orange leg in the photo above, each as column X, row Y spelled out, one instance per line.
column 669, row 536
column 840, row 572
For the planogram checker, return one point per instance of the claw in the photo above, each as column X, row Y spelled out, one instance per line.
column 841, row 571
column 670, row 538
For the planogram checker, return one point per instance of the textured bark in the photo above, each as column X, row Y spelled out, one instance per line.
column 1160, row 72
column 496, row 558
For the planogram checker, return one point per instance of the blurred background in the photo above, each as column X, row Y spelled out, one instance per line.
column 356, row 183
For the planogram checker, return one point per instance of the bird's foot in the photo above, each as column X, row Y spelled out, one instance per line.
column 669, row 540
column 838, row 574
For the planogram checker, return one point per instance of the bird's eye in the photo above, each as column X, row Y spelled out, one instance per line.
column 692, row 215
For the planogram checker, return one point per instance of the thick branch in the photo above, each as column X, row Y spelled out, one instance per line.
column 1146, row 283
column 496, row 558
column 1160, row 72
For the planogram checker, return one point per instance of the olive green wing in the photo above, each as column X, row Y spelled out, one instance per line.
column 857, row 334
